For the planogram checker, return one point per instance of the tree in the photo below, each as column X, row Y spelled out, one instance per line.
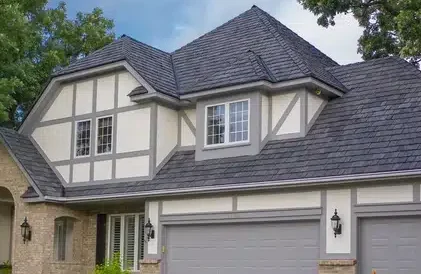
column 35, row 41
column 391, row 27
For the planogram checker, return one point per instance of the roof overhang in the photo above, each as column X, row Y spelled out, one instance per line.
column 311, row 182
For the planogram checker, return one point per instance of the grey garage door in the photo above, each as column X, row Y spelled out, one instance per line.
column 264, row 248
column 390, row 245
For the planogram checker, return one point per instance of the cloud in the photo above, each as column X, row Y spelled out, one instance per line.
column 199, row 17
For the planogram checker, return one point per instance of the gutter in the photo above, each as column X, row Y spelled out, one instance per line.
column 321, row 181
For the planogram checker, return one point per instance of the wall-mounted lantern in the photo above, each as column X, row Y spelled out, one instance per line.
column 150, row 232
column 25, row 229
column 336, row 223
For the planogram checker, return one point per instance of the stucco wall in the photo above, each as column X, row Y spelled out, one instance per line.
column 37, row 256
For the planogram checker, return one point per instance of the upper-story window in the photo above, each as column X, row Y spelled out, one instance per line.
column 104, row 135
column 83, row 138
column 236, row 115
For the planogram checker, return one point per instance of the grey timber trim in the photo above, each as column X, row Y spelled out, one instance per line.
column 179, row 129
column 73, row 132
column 354, row 224
column 92, row 115
column 243, row 216
column 416, row 189
column 188, row 122
column 93, row 130
column 316, row 115
column 303, row 111
column 285, row 115
column 186, row 148
column 146, row 244
column 102, row 157
column 152, row 141
column 399, row 209
column 322, row 236
column 115, row 126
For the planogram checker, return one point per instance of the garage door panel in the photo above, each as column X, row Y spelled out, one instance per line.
column 266, row 248
column 391, row 245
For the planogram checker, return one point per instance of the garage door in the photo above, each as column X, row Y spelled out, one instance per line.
column 390, row 246
column 264, row 248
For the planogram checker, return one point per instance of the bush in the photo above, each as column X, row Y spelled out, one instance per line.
column 112, row 266
column 6, row 268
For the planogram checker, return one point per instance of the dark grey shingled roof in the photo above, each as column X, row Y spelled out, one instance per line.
column 375, row 127
column 251, row 47
column 33, row 163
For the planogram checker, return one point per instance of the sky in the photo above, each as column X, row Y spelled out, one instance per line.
column 169, row 24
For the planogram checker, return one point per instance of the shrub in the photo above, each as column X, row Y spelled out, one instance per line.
column 112, row 266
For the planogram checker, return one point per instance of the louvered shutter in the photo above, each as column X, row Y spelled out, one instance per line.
column 141, row 237
column 115, row 235
column 129, row 245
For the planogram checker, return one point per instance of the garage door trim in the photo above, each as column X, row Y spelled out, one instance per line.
column 244, row 216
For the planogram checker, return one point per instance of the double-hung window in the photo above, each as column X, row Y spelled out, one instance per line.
column 83, row 138
column 126, row 238
column 233, row 115
column 104, row 135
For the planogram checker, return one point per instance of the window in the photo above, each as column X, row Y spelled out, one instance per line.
column 83, row 138
column 63, row 238
column 104, row 135
column 234, row 114
column 126, row 237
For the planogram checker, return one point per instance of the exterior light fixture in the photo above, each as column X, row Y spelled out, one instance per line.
column 336, row 223
column 25, row 229
column 150, row 232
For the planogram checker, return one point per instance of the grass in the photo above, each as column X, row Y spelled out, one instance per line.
column 6, row 271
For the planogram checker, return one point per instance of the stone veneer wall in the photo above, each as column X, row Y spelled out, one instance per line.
column 150, row 266
column 37, row 255
column 338, row 267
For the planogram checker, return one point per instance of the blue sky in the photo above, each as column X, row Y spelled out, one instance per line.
column 169, row 24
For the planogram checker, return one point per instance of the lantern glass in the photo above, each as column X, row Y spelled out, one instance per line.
column 25, row 230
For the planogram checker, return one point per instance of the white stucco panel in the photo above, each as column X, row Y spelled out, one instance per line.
column 279, row 200
column 81, row 172
column 126, row 83
column 64, row 172
column 133, row 130
column 292, row 124
column 62, row 105
column 187, row 136
column 105, row 93
column 102, row 170
column 84, row 97
column 153, row 215
column 54, row 140
column 340, row 200
column 279, row 105
column 265, row 117
column 167, row 132
column 132, row 167
column 200, row 205
column 385, row 194
column 313, row 104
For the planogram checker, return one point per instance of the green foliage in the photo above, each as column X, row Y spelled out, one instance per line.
column 6, row 268
column 391, row 27
column 35, row 41
column 112, row 266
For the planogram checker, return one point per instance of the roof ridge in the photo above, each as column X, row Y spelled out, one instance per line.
column 261, row 65
column 296, row 59
column 142, row 43
column 211, row 31
column 177, row 87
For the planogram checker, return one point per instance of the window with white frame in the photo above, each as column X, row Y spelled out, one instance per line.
column 235, row 115
column 104, row 135
column 126, row 238
column 63, row 238
column 83, row 138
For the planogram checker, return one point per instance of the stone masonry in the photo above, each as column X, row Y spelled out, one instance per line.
column 150, row 266
column 337, row 267
column 37, row 255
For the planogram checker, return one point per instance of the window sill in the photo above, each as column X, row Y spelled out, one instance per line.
column 222, row 146
column 66, row 262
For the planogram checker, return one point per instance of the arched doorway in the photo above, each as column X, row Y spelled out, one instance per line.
column 6, row 224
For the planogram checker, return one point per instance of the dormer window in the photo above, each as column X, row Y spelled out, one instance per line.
column 236, row 115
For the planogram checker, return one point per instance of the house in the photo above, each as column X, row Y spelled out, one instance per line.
column 245, row 151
